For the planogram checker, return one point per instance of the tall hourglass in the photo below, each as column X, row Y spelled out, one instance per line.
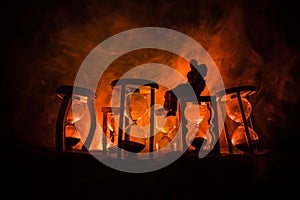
column 76, row 112
column 134, row 100
column 135, row 131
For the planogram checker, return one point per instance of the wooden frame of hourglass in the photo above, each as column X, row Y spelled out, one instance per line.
column 121, row 109
column 239, row 120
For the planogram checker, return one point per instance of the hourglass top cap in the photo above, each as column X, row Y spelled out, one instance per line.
column 69, row 90
column 134, row 81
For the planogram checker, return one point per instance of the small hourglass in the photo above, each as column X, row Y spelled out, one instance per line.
column 238, row 137
column 197, row 116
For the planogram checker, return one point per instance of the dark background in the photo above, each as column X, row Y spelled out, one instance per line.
column 45, row 42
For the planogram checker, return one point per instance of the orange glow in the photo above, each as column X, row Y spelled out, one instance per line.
column 124, row 64
column 225, row 41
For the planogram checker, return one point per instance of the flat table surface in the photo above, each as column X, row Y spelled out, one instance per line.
column 43, row 174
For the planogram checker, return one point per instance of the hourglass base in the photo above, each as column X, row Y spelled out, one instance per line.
column 131, row 146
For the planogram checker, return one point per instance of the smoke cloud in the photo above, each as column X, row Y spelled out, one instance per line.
column 46, row 42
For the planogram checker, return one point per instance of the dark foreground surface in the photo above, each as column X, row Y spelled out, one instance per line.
column 53, row 175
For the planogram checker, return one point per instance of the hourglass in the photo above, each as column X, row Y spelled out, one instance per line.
column 75, row 124
column 167, row 127
column 199, row 124
column 239, row 124
column 197, row 115
column 76, row 112
column 136, row 130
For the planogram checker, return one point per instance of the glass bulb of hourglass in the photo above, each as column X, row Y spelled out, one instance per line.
column 72, row 137
column 166, row 128
column 77, row 109
column 196, row 138
column 233, row 109
column 197, row 114
column 137, row 106
column 76, row 112
column 239, row 139
column 136, row 138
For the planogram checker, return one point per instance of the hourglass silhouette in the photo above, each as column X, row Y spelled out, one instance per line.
column 239, row 124
column 134, row 134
